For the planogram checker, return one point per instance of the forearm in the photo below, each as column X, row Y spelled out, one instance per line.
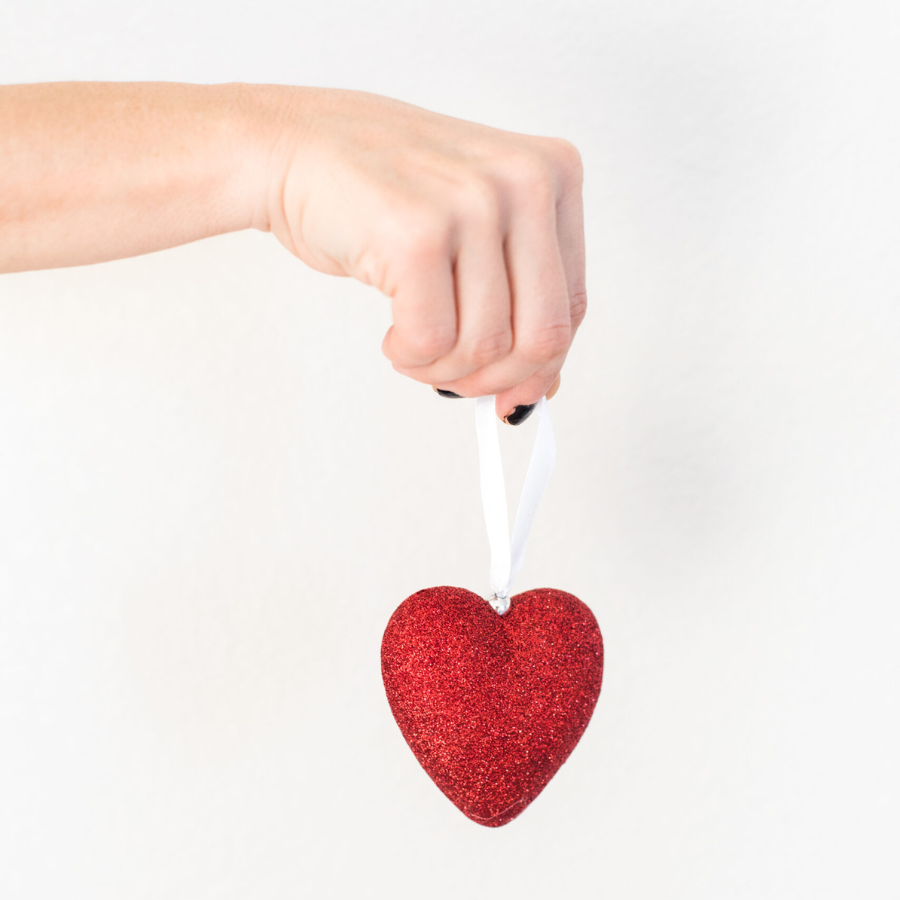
column 93, row 171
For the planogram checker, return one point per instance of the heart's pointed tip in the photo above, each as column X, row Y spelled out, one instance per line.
column 501, row 818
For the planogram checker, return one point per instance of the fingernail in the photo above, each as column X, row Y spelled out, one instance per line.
column 520, row 414
column 449, row 394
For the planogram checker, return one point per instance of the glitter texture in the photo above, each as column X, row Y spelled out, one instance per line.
column 492, row 705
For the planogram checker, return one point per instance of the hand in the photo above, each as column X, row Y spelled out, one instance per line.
column 476, row 234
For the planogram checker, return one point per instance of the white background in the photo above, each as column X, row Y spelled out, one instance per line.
column 214, row 491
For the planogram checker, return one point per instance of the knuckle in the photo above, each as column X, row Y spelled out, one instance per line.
column 480, row 202
column 424, row 240
column 533, row 177
column 568, row 159
column 489, row 348
column 578, row 308
column 430, row 343
column 418, row 236
column 547, row 343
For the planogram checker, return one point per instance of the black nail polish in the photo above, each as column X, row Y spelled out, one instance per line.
column 520, row 414
column 449, row 394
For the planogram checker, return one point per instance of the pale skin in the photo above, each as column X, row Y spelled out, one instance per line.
column 476, row 234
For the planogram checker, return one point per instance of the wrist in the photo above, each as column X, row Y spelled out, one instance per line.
column 269, row 123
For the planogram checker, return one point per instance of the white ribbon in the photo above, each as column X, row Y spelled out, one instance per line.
column 506, row 559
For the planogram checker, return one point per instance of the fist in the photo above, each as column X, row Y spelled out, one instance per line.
column 476, row 234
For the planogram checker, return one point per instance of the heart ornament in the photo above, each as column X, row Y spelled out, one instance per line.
column 492, row 696
column 492, row 705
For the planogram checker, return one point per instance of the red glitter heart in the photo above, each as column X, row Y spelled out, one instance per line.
column 492, row 705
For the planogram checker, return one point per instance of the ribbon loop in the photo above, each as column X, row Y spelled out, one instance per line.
column 506, row 558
